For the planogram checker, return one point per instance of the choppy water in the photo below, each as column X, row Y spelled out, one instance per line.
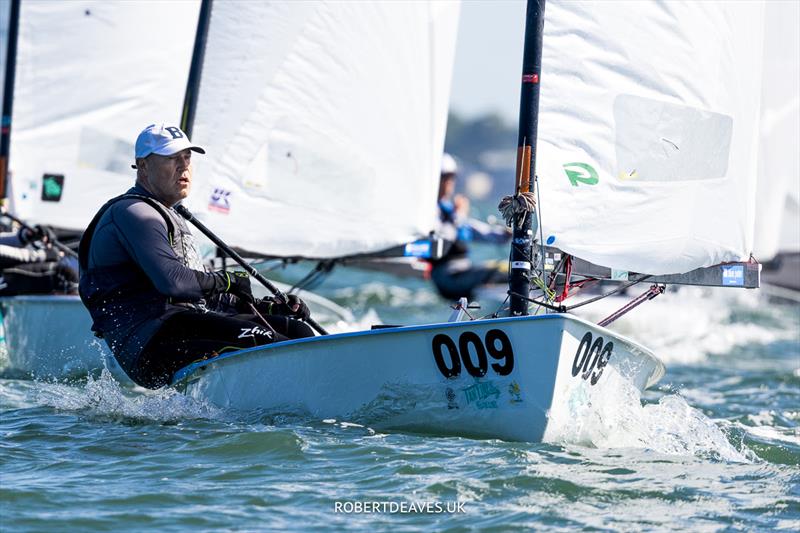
column 716, row 446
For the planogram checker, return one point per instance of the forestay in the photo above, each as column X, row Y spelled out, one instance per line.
column 648, row 132
column 778, row 197
column 90, row 75
column 323, row 123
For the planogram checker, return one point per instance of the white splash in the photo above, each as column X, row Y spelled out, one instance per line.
column 616, row 418
column 104, row 396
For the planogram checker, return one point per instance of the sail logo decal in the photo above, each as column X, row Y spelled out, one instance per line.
column 450, row 356
column 733, row 276
column 591, row 358
column 581, row 173
column 220, row 201
column 52, row 187
column 420, row 248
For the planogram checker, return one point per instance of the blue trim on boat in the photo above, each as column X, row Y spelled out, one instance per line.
column 187, row 370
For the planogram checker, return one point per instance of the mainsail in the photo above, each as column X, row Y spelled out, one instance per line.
column 647, row 153
column 323, row 124
column 90, row 75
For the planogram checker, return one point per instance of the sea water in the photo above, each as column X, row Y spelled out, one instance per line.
column 714, row 446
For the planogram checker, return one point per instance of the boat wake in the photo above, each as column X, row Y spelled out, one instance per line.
column 104, row 397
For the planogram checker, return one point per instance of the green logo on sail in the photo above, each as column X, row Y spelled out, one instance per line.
column 581, row 173
column 52, row 187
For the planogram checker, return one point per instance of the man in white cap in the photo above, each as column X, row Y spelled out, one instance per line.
column 145, row 286
column 454, row 274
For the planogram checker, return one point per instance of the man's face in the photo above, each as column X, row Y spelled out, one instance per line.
column 447, row 186
column 168, row 177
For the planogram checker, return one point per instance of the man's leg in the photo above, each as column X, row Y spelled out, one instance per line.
column 189, row 336
column 288, row 327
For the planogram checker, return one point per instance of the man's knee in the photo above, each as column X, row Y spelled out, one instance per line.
column 298, row 329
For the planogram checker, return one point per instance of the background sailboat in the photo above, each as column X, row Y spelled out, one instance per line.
column 86, row 81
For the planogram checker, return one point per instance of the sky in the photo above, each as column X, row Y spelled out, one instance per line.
column 488, row 64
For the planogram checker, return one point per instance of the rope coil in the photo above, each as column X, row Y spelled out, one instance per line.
column 519, row 204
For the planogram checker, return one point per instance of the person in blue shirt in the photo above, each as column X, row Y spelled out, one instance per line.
column 144, row 283
column 455, row 275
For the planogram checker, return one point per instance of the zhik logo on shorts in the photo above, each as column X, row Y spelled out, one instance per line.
column 252, row 332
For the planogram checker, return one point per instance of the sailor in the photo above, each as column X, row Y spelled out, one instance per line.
column 145, row 286
column 455, row 275
column 16, row 247
column 30, row 264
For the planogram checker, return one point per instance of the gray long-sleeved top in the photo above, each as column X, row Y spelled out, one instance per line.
column 136, row 277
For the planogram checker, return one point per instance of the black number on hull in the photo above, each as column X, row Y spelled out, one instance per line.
column 464, row 341
column 505, row 352
column 454, row 369
column 605, row 355
column 476, row 365
column 591, row 357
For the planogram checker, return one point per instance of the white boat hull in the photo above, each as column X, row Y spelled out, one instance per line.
column 49, row 337
column 508, row 378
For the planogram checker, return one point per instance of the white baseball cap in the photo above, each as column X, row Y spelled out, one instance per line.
column 449, row 165
column 163, row 139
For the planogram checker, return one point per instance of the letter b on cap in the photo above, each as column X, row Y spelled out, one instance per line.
column 175, row 132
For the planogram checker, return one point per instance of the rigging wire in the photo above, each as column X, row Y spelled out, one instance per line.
column 539, row 216
column 564, row 308
column 315, row 277
column 499, row 308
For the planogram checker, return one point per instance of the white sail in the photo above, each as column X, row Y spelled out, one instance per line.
column 778, row 196
column 648, row 131
column 89, row 76
column 323, row 124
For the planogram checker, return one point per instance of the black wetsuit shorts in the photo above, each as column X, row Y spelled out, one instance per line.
column 191, row 335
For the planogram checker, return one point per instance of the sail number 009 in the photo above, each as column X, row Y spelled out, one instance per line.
column 591, row 357
column 450, row 355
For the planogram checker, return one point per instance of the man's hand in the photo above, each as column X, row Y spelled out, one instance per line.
column 37, row 233
column 461, row 204
column 51, row 254
column 239, row 286
column 295, row 307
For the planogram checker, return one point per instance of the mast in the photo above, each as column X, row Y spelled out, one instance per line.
column 523, row 235
column 196, row 69
column 8, row 96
